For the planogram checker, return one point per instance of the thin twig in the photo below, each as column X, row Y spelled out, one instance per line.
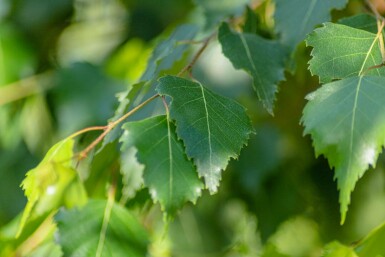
column 189, row 66
column 83, row 154
column 374, row 10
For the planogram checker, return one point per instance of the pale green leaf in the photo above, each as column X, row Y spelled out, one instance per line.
column 362, row 21
column 372, row 244
column 294, row 19
column 216, row 10
column 52, row 183
column 335, row 249
column 132, row 172
column 169, row 175
column 101, row 229
column 213, row 128
column 340, row 51
column 346, row 120
column 263, row 59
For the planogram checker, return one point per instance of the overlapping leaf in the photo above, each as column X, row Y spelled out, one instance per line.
column 52, row 183
column 213, row 128
column 346, row 119
column 169, row 175
column 101, row 229
column 362, row 21
column 340, row 51
column 216, row 10
column 294, row 19
column 263, row 59
column 372, row 244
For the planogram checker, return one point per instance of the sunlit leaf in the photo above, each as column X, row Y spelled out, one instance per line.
column 213, row 128
column 340, row 51
column 346, row 120
column 294, row 19
column 263, row 59
column 47, row 185
column 169, row 175
column 372, row 244
column 101, row 229
column 336, row 249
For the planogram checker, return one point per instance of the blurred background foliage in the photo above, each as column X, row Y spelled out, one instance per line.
column 62, row 63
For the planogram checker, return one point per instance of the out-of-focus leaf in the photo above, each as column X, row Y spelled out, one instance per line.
column 47, row 185
column 168, row 51
column 335, row 249
column 213, row 128
column 36, row 124
column 296, row 18
column 83, row 96
column 363, row 21
column 216, row 10
column 346, row 120
column 101, row 229
column 262, row 59
column 340, row 51
column 132, row 172
column 169, row 175
column 251, row 23
column 296, row 237
column 372, row 244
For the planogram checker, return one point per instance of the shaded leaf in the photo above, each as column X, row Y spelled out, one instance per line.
column 132, row 172
column 294, row 19
column 169, row 175
column 362, row 21
column 216, row 10
column 80, row 231
column 52, row 183
column 340, row 51
column 213, row 128
column 335, row 249
column 262, row 59
column 346, row 120
column 168, row 51
column 251, row 23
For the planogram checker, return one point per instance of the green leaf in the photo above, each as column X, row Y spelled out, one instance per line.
column 169, row 175
column 372, row 244
column 216, row 10
column 101, row 228
column 52, row 183
column 294, row 19
column 213, row 128
column 251, row 22
column 335, row 249
column 262, row 59
column 346, row 120
column 362, row 21
column 340, row 51
column 132, row 173
column 168, row 51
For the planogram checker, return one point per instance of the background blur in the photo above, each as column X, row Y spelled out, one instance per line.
column 62, row 63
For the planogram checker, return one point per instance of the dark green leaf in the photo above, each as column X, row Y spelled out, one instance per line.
column 363, row 21
column 294, row 19
column 346, row 120
column 340, row 51
column 262, row 59
column 251, row 23
column 101, row 228
column 169, row 175
column 213, row 128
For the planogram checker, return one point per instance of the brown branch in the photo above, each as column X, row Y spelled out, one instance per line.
column 189, row 66
column 83, row 154
column 374, row 10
